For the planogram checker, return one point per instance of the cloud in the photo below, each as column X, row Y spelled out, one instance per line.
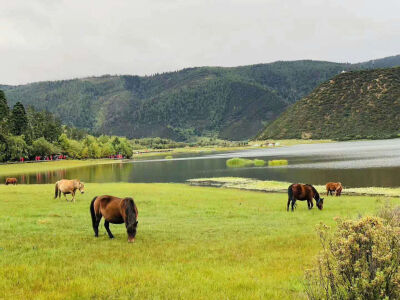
column 47, row 40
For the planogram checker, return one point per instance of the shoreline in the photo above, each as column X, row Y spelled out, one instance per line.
column 269, row 186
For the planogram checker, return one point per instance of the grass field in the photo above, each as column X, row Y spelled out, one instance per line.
column 192, row 243
column 18, row 168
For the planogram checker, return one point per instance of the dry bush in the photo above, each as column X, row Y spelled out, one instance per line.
column 359, row 261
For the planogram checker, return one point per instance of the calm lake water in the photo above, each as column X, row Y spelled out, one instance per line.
column 355, row 164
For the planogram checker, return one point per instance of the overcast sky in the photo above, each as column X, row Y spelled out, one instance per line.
column 52, row 39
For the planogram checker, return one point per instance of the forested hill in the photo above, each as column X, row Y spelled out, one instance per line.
column 352, row 105
column 231, row 103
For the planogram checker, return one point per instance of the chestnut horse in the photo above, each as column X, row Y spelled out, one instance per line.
column 298, row 191
column 66, row 186
column 334, row 187
column 116, row 211
column 11, row 181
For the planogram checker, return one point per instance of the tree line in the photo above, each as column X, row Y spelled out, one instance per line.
column 27, row 133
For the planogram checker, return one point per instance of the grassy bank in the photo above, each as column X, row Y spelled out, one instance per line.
column 192, row 243
column 210, row 149
column 281, row 186
column 19, row 168
column 289, row 142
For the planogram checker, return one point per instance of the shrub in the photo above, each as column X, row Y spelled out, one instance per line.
column 359, row 261
column 277, row 162
column 259, row 162
column 238, row 162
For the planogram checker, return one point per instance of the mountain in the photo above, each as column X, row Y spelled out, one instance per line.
column 231, row 103
column 352, row 105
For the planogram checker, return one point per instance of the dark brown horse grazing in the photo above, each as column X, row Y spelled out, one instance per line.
column 11, row 181
column 116, row 211
column 298, row 191
column 334, row 187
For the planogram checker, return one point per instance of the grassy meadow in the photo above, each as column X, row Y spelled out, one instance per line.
column 32, row 167
column 192, row 243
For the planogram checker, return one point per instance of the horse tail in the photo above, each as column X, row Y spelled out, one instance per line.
column 290, row 192
column 56, row 190
column 92, row 212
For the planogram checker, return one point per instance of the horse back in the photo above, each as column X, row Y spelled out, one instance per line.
column 110, row 208
column 11, row 180
column 68, row 185
column 300, row 191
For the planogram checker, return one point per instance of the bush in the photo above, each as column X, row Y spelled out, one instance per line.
column 277, row 162
column 238, row 162
column 259, row 162
column 359, row 261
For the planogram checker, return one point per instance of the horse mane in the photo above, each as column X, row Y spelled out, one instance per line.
column 130, row 210
column 316, row 194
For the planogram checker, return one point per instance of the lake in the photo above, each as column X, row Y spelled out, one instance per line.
column 355, row 164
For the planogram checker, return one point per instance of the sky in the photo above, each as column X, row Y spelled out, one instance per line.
column 53, row 39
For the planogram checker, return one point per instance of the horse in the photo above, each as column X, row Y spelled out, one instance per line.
column 116, row 211
column 334, row 187
column 298, row 191
column 11, row 180
column 67, row 186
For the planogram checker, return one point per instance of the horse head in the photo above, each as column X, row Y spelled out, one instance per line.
column 131, row 229
column 81, row 187
column 320, row 203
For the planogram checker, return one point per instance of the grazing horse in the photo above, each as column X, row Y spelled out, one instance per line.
column 66, row 186
column 11, row 181
column 298, row 191
column 334, row 187
column 116, row 211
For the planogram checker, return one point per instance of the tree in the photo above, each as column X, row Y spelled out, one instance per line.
column 16, row 148
column 4, row 110
column 44, row 148
column 19, row 120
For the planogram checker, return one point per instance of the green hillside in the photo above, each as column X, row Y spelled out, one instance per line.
column 352, row 105
column 230, row 103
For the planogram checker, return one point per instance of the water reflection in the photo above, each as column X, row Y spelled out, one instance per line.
column 372, row 163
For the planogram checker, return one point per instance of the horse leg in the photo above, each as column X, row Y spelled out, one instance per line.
column 107, row 226
column 96, row 223
column 311, row 203
column 293, row 204
column 288, row 204
column 65, row 195
column 73, row 196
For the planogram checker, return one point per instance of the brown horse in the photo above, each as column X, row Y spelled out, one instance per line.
column 66, row 186
column 298, row 191
column 334, row 187
column 116, row 211
column 11, row 180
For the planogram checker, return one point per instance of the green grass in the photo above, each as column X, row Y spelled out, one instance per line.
column 238, row 162
column 192, row 243
column 277, row 162
column 169, row 157
column 18, row 168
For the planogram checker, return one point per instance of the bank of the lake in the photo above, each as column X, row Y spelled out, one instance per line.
column 192, row 242
column 34, row 167
column 271, row 186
